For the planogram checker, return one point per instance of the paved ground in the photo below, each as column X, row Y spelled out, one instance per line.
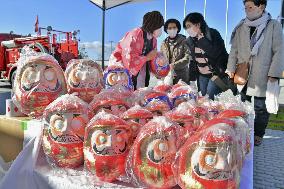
column 269, row 161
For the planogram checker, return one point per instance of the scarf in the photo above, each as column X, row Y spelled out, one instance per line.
column 258, row 37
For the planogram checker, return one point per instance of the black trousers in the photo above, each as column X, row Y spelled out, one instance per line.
column 261, row 114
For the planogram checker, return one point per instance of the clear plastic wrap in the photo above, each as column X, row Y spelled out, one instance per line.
column 137, row 117
column 64, row 122
column 149, row 163
column 160, row 66
column 84, row 77
column 39, row 81
column 213, row 107
column 107, row 142
column 162, row 87
column 111, row 101
column 117, row 75
column 182, row 93
column 212, row 158
column 156, row 102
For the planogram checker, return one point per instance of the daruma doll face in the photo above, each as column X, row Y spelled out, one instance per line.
column 106, row 146
column 117, row 76
column 37, row 84
column 84, row 77
column 65, row 121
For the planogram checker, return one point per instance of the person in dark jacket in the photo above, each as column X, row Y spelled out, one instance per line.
column 208, row 52
column 176, row 51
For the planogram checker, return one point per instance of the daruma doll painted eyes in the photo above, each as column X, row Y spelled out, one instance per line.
column 152, row 154
column 211, row 158
column 107, row 142
column 65, row 120
column 84, row 77
column 39, row 81
column 117, row 75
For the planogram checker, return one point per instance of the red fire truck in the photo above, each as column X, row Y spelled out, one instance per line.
column 62, row 45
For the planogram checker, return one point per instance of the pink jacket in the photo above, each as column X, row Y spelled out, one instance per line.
column 129, row 50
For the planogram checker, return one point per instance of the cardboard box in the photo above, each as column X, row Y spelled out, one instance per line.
column 12, row 136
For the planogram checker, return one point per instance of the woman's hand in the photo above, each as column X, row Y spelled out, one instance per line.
column 200, row 35
column 151, row 55
column 230, row 74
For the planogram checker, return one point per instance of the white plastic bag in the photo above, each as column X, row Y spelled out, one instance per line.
column 169, row 78
column 272, row 96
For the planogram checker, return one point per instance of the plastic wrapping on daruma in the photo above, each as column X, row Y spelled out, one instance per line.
column 242, row 128
column 150, row 160
column 117, row 75
column 64, row 121
column 107, row 142
column 182, row 93
column 213, row 107
column 156, row 102
column 137, row 117
column 210, row 159
column 39, row 81
column 162, row 87
column 85, row 78
column 111, row 101
column 160, row 66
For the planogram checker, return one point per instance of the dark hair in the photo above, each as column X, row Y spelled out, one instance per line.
column 152, row 21
column 257, row 2
column 169, row 21
column 195, row 18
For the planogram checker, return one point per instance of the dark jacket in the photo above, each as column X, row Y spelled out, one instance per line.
column 214, row 48
column 180, row 55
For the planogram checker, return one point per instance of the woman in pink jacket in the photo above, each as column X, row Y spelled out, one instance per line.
column 138, row 47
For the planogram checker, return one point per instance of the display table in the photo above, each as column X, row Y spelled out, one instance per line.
column 32, row 170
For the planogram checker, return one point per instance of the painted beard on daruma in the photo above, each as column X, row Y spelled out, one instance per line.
column 211, row 158
column 153, row 152
column 107, row 142
column 63, row 136
column 39, row 81
column 85, row 78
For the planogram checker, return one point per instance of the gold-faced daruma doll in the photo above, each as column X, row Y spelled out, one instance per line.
column 107, row 142
column 84, row 77
column 152, row 154
column 39, row 81
column 211, row 158
column 65, row 120
column 117, row 75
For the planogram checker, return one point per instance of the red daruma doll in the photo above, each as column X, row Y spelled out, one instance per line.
column 211, row 158
column 65, row 120
column 85, row 78
column 152, row 154
column 137, row 117
column 160, row 66
column 39, row 81
column 107, row 142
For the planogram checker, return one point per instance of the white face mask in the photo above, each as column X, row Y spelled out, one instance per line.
column 253, row 15
column 191, row 32
column 157, row 33
column 172, row 33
